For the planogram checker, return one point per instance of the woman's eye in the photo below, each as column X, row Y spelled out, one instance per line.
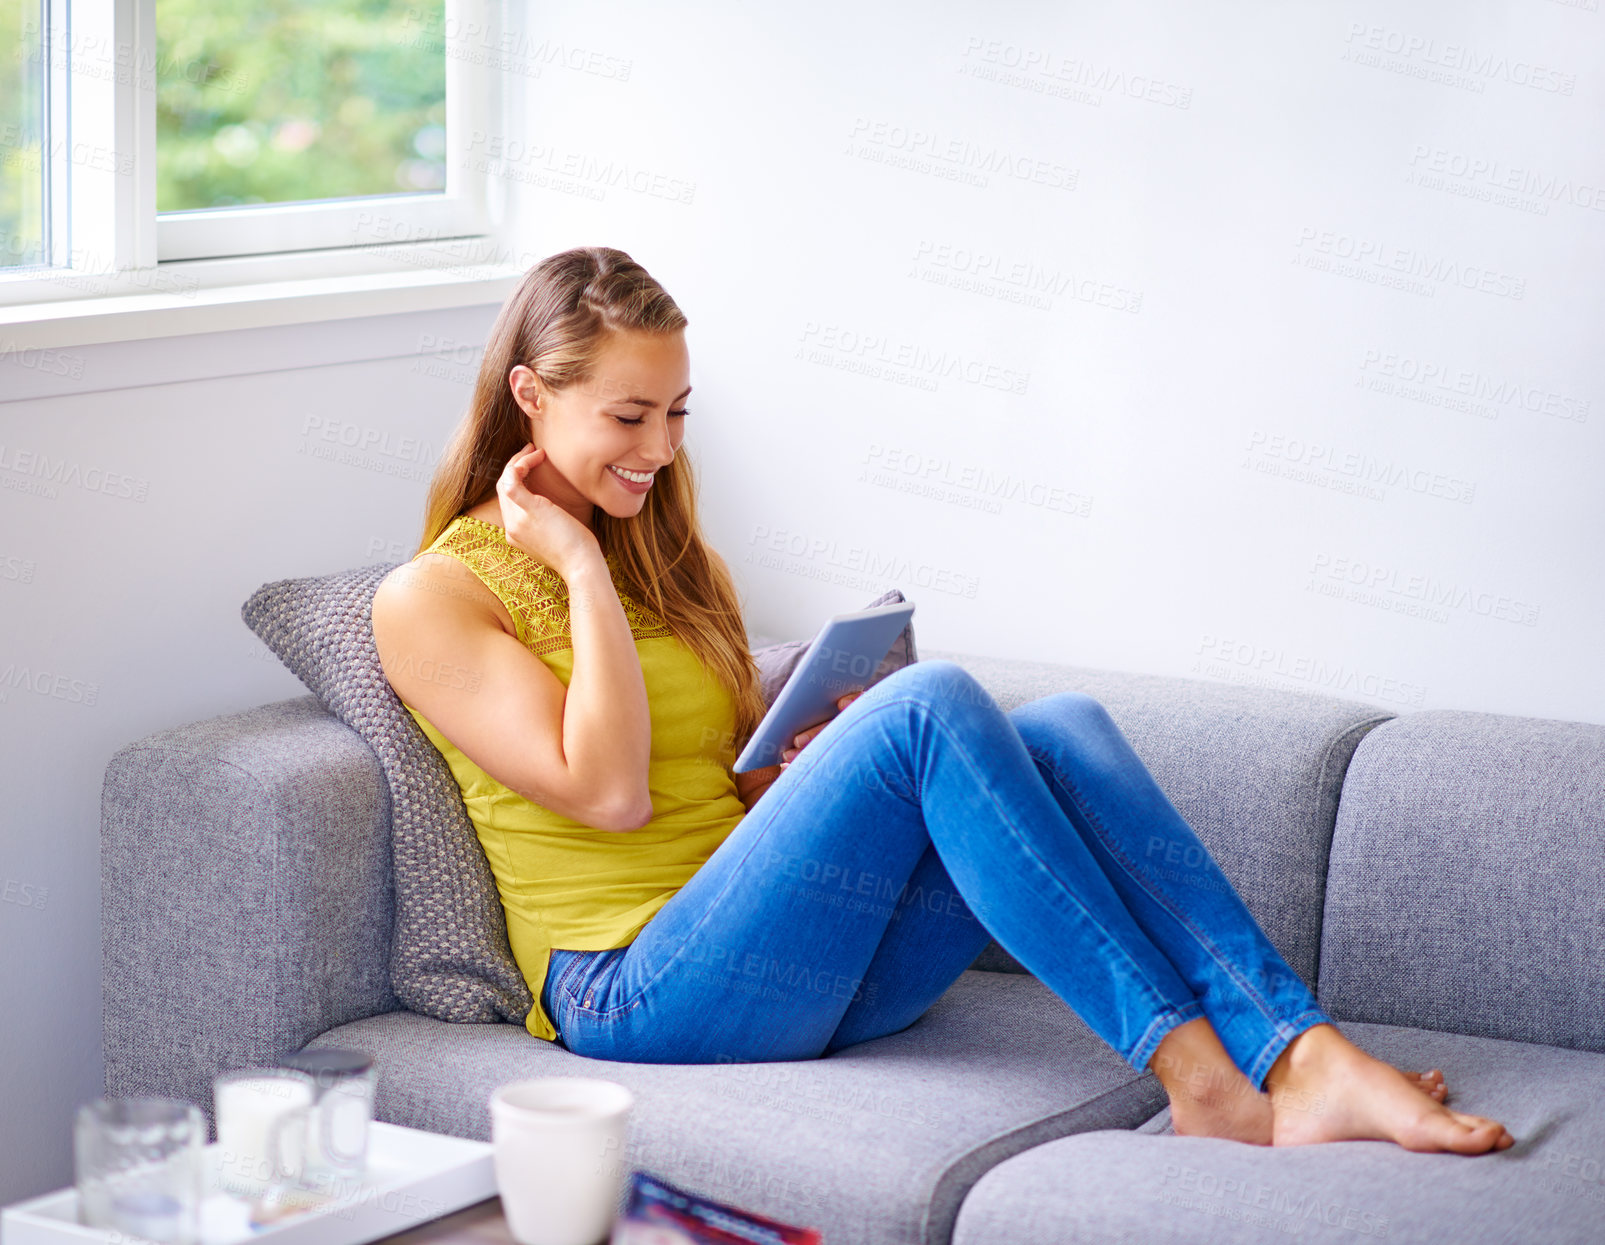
column 641, row 419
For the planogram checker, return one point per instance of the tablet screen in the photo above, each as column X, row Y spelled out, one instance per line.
column 843, row 657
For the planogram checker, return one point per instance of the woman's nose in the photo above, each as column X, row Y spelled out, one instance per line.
column 659, row 444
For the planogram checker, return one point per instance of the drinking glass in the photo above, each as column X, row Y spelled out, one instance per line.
column 337, row 1142
column 139, row 1167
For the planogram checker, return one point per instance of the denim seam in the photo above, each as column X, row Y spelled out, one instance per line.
column 607, row 1013
column 570, row 971
column 559, row 995
column 1227, row 968
column 1150, row 1040
column 1286, row 1031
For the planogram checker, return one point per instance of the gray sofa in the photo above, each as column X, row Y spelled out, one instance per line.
column 1438, row 877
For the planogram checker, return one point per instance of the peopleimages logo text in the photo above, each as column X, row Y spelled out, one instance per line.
column 1461, row 59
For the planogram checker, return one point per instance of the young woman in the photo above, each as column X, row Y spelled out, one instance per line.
column 575, row 648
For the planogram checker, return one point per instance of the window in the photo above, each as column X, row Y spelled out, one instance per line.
column 137, row 133
column 301, row 123
column 32, row 108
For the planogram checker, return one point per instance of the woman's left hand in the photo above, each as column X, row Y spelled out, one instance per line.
column 801, row 739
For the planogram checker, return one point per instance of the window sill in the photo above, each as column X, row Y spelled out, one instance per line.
column 209, row 296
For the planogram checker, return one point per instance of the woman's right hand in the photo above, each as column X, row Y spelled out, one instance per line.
column 803, row 738
column 538, row 525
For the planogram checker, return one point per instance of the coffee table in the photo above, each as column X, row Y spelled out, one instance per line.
column 483, row 1223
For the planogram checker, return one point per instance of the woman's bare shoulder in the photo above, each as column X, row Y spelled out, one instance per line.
column 434, row 588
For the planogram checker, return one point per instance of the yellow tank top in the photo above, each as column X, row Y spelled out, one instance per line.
column 564, row 884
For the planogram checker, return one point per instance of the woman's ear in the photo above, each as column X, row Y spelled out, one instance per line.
column 526, row 388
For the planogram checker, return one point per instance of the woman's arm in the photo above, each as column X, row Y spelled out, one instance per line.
column 607, row 725
column 751, row 784
column 582, row 751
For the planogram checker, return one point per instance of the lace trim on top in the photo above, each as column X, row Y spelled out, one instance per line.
column 534, row 594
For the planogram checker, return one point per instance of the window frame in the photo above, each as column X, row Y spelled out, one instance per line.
column 56, row 174
column 110, row 242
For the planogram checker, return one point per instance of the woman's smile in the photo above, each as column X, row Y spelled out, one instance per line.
column 634, row 481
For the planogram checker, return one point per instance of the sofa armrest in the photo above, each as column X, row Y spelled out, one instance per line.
column 246, row 896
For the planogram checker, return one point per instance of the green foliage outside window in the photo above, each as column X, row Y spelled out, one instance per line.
column 273, row 101
column 21, row 132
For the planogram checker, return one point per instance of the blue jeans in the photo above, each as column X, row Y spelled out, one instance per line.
column 919, row 824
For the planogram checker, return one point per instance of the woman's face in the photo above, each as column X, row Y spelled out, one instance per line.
column 627, row 415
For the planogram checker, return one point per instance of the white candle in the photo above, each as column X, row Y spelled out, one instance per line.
column 248, row 1110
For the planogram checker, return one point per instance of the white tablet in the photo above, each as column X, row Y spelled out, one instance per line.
column 842, row 658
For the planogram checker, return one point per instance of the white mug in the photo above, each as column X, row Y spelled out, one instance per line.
column 559, row 1157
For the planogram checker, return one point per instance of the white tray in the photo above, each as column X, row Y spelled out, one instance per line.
column 412, row 1176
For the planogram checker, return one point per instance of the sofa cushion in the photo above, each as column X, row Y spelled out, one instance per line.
column 450, row 956
column 1467, row 888
column 874, row 1144
column 1255, row 771
column 1132, row 1186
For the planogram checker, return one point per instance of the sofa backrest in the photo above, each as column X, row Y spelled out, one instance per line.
column 1255, row 771
column 1467, row 884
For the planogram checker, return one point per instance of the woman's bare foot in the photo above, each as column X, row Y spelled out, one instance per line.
column 1209, row 1097
column 1324, row 1088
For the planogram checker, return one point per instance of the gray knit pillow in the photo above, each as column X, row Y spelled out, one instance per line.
column 449, row 956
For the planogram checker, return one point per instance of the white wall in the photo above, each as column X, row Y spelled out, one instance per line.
column 1222, row 341
column 1280, row 348
column 146, row 490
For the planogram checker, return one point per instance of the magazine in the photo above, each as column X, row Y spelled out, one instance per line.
column 658, row 1213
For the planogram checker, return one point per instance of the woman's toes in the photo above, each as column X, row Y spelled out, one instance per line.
column 1430, row 1083
column 1473, row 1134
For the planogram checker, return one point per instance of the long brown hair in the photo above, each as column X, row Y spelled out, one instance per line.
column 556, row 323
